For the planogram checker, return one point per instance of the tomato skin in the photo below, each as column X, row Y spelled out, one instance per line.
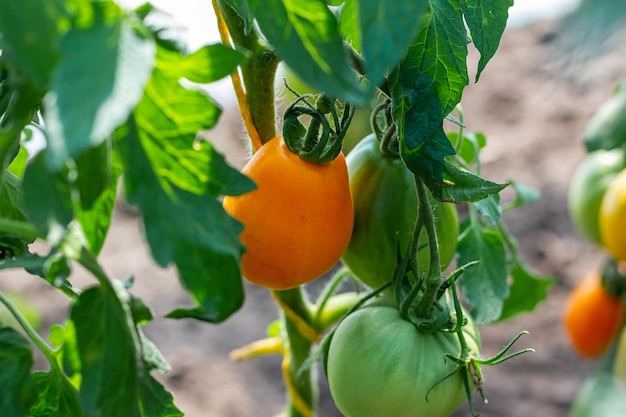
column 592, row 317
column 613, row 217
column 297, row 222
column 380, row 365
column 587, row 188
column 385, row 206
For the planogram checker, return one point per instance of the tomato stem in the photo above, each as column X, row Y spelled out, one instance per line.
column 301, row 384
column 432, row 282
column 258, row 72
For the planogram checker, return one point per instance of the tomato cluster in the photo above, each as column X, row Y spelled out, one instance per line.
column 597, row 206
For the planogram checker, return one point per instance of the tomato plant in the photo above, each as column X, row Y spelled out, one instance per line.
column 380, row 228
column 587, row 188
column 133, row 125
column 298, row 221
column 592, row 316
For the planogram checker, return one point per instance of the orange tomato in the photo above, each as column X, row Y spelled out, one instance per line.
column 592, row 316
column 298, row 221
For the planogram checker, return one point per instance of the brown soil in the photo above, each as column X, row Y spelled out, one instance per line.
column 532, row 102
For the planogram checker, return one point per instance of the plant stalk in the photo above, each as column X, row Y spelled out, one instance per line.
column 302, row 395
column 432, row 282
column 258, row 72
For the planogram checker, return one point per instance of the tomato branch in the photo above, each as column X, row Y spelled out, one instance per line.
column 258, row 73
column 432, row 282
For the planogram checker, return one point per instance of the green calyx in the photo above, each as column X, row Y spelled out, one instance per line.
column 321, row 141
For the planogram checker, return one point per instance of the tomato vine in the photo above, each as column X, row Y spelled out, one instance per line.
column 138, row 127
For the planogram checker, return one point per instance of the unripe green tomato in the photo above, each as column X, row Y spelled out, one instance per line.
column 380, row 365
column 385, row 212
column 587, row 189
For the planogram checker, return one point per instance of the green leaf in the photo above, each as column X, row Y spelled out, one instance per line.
column 484, row 286
column 307, row 38
column 461, row 186
column 429, row 82
column 115, row 381
column 49, row 198
column 349, row 24
column 176, row 180
column 387, row 29
column 469, row 146
column 97, row 176
column 206, row 65
column 56, row 396
column 11, row 199
column 118, row 59
column 427, row 159
column 486, row 20
column 526, row 291
column 523, row 195
column 17, row 389
column 490, row 208
column 30, row 40
column 18, row 164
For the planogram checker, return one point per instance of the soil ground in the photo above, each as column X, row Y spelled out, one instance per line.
column 532, row 102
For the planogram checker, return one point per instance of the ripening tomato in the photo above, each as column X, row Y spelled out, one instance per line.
column 385, row 205
column 613, row 217
column 297, row 222
column 379, row 365
column 592, row 316
column 587, row 188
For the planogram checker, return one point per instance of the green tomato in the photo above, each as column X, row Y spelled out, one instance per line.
column 587, row 188
column 385, row 212
column 380, row 365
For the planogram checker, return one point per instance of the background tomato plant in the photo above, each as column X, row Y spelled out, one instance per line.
column 143, row 126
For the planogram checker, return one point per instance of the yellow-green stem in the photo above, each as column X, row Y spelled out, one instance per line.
column 258, row 72
column 302, row 386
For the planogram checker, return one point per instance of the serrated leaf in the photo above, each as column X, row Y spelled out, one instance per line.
column 119, row 60
column 490, row 208
column 115, row 381
column 49, row 198
column 192, row 231
column 387, row 29
column 486, row 20
column 56, row 396
column 306, row 36
column 461, row 186
column 427, row 159
column 17, row 389
column 429, row 82
column 526, row 291
column 176, row 180
column 484, row 287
